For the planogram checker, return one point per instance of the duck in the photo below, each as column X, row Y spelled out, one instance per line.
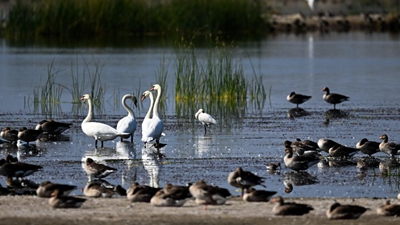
column 298, row 163
column 46, row 188
column 325, row 144
column 97, row 170
column 282, row 208
column 205, row 118
column 297, row 98
column 390, row 148
column 59, row 201
column 99, row 131
column 29, row 135
column 128, row 123
column 337, row 211
column 161, row 198
column 52, row 127
column 140, row 193
column 12, row 169
column 205, row 194
column 342, row 151
column 253, row 195
column 368, row 147
column 8, row 134
column 96, row 189
column 388, row 209
column 334, row 98
column 244, row 179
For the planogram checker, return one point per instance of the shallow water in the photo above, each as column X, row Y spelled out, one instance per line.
column 362, row 66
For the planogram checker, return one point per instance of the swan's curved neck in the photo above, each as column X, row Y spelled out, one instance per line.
column 130, row 111
column 150, row 107
column 90, row 112
column 155, row 113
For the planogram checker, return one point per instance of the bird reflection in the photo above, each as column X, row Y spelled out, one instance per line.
column 388, row 165
column 152, row 163
column 336, row 162
column 296, row 112
column 335, row 114
column 298, row 179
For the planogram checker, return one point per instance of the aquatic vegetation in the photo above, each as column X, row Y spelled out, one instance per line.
column 121, row 17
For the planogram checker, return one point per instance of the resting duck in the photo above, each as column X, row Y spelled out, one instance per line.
column 338, row 211
column 59, row 201
column 342, row 151
column 298, row 163
column 29, row 135
column 325, row 144
column 244, row 179
column 46, row 188
column 368, row 147
column 52, row 127
column 97, row 170
column 387, row 147
column 140, row 193
column 9, row 135
column 290, row 208
column 333, row 98
column 388, row 209
column 253, row 195
column 207, row 194
column 297, row 98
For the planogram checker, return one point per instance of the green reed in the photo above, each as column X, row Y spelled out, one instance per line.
column 105, row 17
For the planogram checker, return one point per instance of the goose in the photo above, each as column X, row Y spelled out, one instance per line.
column 338, row 211
column 97, row 170
column 388, row 209
column 282, row 208
column 253, row 195
column 128, row 123
column 205, row 118
column 298, row 163
column 163, row 198
column 9, row 135
column 96, row 190
column 272, row 166
column 99, row 131
column 46, row 188
column 333, row 98
column 342, row 151
column 299, row 148
column 297, row 98
column 52, row 127
column 325, row 144
column 207, row 194
column 140, row 193
column 155, row 127
column 368, row 147
column 177, row 191
column 387, row 147
column 244, row 179
column 29, row 135
column 11, row 169
column 308, row 144
column 59, row 201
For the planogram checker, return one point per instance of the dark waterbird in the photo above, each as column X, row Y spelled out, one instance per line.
column 97, row 170
column 244, row 179
column 52, row 127
column 282, row 208
column 338, row 211
column 333, row 98
column 297, row 98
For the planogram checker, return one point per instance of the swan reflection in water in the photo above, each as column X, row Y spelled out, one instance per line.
column 152, row 163
column 297, row 112
column 298, row 179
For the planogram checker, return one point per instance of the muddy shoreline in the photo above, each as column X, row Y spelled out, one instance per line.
column 35, row 210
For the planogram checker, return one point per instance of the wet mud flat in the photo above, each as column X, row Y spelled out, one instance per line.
column 34, row 210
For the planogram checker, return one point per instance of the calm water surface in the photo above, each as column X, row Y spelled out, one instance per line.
column 363, row 66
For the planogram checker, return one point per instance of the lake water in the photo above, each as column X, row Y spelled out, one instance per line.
column 364, row 66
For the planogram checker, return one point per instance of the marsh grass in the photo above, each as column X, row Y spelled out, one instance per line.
column 121, row 17
column 216, row 84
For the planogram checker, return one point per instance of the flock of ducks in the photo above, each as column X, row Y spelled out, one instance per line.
column 299, row 156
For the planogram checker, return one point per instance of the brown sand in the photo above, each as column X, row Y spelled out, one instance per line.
column 35, row 210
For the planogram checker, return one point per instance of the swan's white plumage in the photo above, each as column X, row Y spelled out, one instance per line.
column 128, row 123
column 155, row 126
column 98, row 131
column 147, row 120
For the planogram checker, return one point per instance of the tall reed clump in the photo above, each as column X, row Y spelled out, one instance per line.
column 216, row 83
column 121, row 17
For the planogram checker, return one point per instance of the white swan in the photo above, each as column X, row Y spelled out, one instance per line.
column 128, row 123
column 147, row 120
column 205, row 119
column 99, row 131
column 155, row 128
